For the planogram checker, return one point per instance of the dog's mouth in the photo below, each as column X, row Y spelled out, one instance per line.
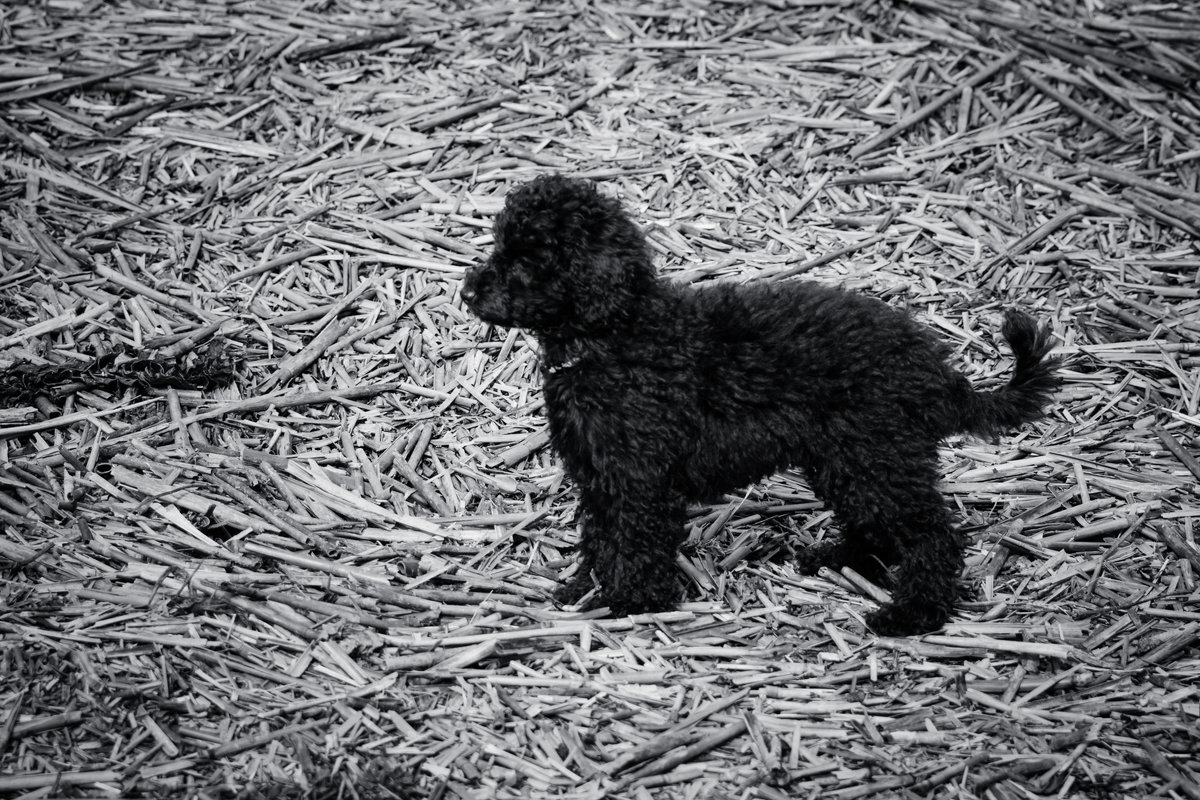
column 482, row 300
column 488, row 308
column 492, row 316
column 500, row 299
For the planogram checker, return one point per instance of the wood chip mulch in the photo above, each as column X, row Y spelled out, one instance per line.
column 279, row 516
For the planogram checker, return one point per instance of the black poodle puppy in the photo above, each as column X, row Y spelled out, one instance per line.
column 659, row 394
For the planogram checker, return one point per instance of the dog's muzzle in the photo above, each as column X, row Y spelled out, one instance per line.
column 480, row 295
column 471, row 285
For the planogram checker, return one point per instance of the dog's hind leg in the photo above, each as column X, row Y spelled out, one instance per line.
column 893, row 514
column 925, row 580
column 863, row 546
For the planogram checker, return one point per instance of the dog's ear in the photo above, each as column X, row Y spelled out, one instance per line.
column 590, row 252
column 603, row 291
column 611, row 281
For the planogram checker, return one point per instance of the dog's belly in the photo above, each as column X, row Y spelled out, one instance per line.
column 727, row 457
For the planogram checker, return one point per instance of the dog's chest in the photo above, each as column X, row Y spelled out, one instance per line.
column 574, row 419
column 572, row 407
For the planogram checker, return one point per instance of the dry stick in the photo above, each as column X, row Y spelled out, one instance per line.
column 622, row 69
column 422, row 487
column 1132, row 320
column 730, row 731
column 653, row 748
column 867, row 587
column 295, row 364
column 275, row 263
column 1029, row 240
column 949, row 773
column 251, row 405
column 258, row 240
column 829, row 574
column 302, row 629
column 454, row 115
column 349, row 299
column 1127, row 178
column 313, row 563
column 312, row 702
column 395, row 597
column 1017, row 770
column 675, row 736
column 1187, row 459
column 523, row 449
column 136, row 117
column 466, row 656
column 302, row 315
column 68, row 319
column 1184, row 211
column 51, row 723
column 266, row 512
column 1088, row 198
column 346, row 45
column 131, row 219
column 817, row 187
column 41, row 780
column 416, row 662
column 316, row 606
column 33, row 146
column 1040, row 649
column 10, row 724
column 54, row 87
column 930, row 108
column 331, row 332
column 1173, row 215
column 1111, row 551
column 186, row 341
column 121, row 279
column 1074, row 107
column 78, row 416
column 1077, row 54
column 1093, row 531
column 262, row 403
column 1184, row 639
column 252, row 742
column 1178, row 545
column 193, row 253
column 813, row 263
column 159, row 489
column 1167, row 772
column 71, row 182
column 234, row 664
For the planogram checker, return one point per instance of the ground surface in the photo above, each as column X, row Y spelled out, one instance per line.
column 328, row 577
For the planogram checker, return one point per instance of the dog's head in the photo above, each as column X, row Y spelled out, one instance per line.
column 568, row 261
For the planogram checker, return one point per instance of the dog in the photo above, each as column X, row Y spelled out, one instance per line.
column 660, row 394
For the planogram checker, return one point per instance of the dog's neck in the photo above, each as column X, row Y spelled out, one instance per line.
column 562, row 366
column 565, row 346
column 561, row 356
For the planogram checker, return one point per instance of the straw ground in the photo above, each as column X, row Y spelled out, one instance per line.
column 328, row 577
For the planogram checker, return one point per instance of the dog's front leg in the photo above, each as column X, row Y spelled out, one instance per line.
column 628, row 551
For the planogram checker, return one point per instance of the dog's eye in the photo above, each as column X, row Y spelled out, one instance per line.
column 521, row 272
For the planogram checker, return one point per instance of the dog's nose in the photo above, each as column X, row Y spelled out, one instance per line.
column 470, row 281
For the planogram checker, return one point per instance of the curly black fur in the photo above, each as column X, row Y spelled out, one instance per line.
column 659, row 394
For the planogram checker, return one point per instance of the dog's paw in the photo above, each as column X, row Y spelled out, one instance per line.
column 575, row 590
column 640, row 605
column 648, row 597
column 809, row 560
column 907, row 620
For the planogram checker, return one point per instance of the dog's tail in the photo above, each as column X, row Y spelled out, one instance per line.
column 1034, row 380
